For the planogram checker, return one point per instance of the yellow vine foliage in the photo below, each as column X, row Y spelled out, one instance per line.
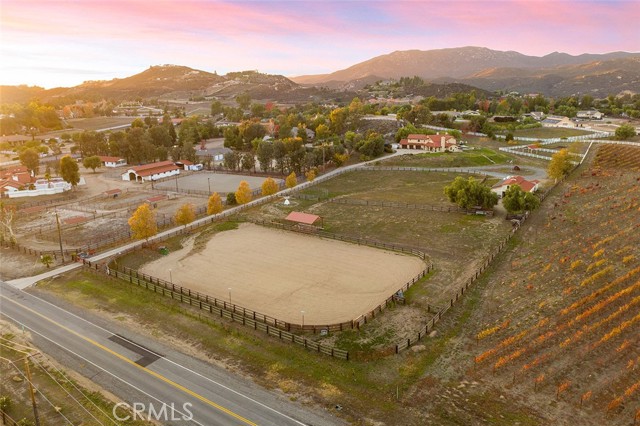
column 600, row 291
column 596, row 264
column 595, row 276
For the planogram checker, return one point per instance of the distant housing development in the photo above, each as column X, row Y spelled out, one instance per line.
column 430, row 143
column 527, row 186
column 152, row 171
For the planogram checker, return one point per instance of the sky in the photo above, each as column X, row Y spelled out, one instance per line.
column 53, row 43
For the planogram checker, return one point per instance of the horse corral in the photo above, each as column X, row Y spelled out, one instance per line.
column 211, row 182
column 293, row 277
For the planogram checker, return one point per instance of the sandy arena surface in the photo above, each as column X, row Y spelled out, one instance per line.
column 281, row 274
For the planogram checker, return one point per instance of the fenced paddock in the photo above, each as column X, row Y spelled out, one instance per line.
column 200, row 182
column 288, row 275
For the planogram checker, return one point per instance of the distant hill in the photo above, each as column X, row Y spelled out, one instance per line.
column 170, row 82
column 598, row 78
column 19, row 94
column 467, row 65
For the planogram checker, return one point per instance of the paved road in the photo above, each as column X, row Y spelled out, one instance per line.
column 139, row 369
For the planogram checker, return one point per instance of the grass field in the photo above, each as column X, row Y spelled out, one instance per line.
column 472, row 158
column 550, row 132
column 99, row 123
column 455, row 242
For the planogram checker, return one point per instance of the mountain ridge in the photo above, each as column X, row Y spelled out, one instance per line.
column 464, row 65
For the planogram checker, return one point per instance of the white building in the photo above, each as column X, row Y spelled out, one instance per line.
column 152, row 171
column 112, row 161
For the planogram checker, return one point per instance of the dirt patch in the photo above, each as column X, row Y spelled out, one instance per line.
column 281, row 274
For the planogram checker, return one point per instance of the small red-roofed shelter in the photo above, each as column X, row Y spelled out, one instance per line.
column 304, row 219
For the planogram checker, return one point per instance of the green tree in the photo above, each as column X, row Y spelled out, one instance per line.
column 515, row 200
column 143, row 223
column 269, row 187
column 30, row 159
column 231, row 160
column 92, row 162
column 243, row 193
column 560, row 165
column 291, row 180
column 214, row 206
column 469, row 193
column 248, row 161
column 243, row 100
column 216, row 108
column 69, row 170
column 625, row 131
column 46, row 260
column 264, row 152
column 185, row 214
column 231, row 199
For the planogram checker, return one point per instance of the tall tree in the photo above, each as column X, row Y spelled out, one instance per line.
column 185, row 214
column 291, row 180
column 264, row 152
column 243, row 100
column 469, row 193
column 69, row 170
column 214, row 206
column 7, row 222
column 560, row 165
column 30, row 159
column 143, row 223
column 92, row 162
column 269, row 187
column 248, row 161
column 243, row 193
column 625, row 131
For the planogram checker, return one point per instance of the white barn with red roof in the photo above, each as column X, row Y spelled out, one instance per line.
column 430, row 143
column 152, row 171
column 526, row 185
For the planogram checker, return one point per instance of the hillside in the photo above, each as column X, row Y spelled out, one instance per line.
column 471, row 65
column 596, row 78
column 170, row 82
column 555, row 325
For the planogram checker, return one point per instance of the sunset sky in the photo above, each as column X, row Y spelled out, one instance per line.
column 63, row 43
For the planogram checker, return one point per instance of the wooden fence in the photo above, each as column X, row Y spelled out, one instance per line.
column 221, row 309
column 346, row 238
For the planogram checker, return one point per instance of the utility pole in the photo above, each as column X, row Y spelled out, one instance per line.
column 59, row 236
column 31, row 392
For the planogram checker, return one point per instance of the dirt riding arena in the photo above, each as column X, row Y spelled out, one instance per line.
column 282, row 274
column 218, row 182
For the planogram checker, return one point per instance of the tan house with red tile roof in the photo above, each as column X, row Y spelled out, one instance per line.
column 430, row 143
column 152, row 171
column 526, row 185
